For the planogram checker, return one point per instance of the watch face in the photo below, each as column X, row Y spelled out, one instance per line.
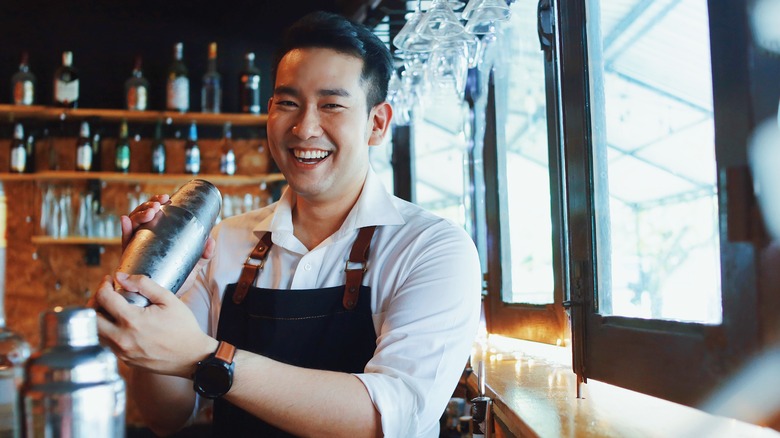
column 213, row 378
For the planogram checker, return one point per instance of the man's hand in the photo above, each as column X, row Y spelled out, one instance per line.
column 163, row 338
column 144, row 213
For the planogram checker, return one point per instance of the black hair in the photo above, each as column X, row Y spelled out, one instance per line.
column 331, row 31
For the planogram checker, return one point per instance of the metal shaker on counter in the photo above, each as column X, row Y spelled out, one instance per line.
column 72, row 386
column 167, row 248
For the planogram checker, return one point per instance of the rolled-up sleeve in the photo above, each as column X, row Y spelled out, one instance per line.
column 425, row 331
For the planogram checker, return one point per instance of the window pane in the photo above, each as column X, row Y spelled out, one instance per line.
column 439, row 149
column 654, row 160
column 521, row 106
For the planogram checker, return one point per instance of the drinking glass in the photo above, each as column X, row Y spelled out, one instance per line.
column 440, row 22
column 408, row 39
column 448, row 66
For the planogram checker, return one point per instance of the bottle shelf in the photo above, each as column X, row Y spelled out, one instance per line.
column 12, row 113
column 148, row 178
column 75, row 240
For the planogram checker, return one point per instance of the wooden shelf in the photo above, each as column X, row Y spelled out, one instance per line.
column 148, row 178
column 13, row 112
column 74, row 240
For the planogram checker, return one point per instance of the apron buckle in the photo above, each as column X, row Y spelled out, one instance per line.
column 250, row 265
column 361, row 264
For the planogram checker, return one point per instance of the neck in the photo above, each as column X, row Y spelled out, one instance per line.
column 316, row 220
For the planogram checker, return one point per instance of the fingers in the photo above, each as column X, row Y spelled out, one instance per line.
column 209, row 248
column 127, row 230
column 109, row 303
column 144, row 285
column 142, row 214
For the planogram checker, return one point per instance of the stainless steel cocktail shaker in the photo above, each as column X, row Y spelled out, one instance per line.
column 167, row 248
column 72, row 386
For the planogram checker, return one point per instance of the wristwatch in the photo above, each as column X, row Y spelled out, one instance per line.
column 214, row 375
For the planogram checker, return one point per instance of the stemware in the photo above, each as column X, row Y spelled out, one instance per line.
column 494, row 10
column 440, row 22
column 408, row 39
column 448, row 66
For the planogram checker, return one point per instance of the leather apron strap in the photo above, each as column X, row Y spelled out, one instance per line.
column 358, row 255
column 253, row 264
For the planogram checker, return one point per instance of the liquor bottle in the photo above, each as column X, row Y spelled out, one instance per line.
column 192, row 152
column 97, row 158
column 137, row 89
column 122, row 151
column 14, row 351
column 227, row 161
column 158, row 150
column 66, row 83
column 211, row 91
column 30, row 146
column 250, row 86
column 178, row 87
column 84, row 149
column 18, row 150
column 23, row 83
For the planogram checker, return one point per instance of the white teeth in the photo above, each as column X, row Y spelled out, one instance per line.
column 310, row 154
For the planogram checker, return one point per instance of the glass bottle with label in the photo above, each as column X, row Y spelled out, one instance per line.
column 250, row 86
column 84, row 149
column 18, row 150
column 30, row 146
column 192, row 152
column 178, row 87
column 136, row 88
column 96, row 152
column 23, row 83
column 122, row 151
column 14, row 351
column 158, row 150
column 66, row 83
column 227, row 160
column 211, row 91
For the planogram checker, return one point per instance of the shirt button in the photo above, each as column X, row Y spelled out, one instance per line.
column 307, row 267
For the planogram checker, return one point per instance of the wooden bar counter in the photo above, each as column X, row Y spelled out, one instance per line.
column 534, row 394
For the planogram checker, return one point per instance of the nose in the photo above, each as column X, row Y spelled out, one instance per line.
column 308, row 125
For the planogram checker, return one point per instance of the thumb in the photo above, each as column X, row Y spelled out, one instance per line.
column 145, row 286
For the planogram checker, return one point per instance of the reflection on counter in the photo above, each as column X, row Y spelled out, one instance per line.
column 534, row 392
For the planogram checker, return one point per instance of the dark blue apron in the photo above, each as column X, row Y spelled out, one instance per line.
column 327, row 329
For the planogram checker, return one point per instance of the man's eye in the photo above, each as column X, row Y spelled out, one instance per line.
column 332, row 106
column 285, row 103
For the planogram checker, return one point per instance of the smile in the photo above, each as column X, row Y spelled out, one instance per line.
column 309, row 156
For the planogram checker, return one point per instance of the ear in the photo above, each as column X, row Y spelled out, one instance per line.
column 270, row 101
column 379, row 118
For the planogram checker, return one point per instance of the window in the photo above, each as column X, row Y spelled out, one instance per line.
column 646, row 159
column 525, row 270
column 653, row 154
column 606, row 174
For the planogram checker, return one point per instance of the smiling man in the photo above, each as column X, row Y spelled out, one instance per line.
column 340, row 310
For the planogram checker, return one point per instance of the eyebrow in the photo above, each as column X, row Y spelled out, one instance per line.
column 324, row 92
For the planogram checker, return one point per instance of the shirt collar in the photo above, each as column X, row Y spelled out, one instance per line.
column 375, row 206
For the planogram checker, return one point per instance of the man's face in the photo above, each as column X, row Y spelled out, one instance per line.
column 319, row 128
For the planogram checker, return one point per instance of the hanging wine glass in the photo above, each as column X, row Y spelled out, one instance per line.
column 440, row 22
column 398, row 99
column 447, row 66
column 495, row 10
column 455, row 4
column 408, row 39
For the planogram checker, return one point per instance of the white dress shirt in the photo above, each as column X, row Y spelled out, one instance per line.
column 425, row 281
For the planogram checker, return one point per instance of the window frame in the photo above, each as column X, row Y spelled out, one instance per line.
column 547, row 323
column 681, row 362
